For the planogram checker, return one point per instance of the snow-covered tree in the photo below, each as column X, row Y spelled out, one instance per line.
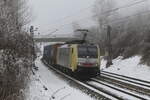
column 16, row 49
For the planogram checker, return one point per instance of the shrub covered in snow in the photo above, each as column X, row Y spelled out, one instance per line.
column 16, row 50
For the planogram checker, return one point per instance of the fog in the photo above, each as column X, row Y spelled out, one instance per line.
column 51, row 15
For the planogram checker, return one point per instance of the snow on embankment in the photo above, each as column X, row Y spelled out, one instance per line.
column 128, row 67
column 47, row 85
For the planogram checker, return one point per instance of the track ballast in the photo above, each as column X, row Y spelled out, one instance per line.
column 98, row 90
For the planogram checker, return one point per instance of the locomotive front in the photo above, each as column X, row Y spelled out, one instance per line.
column 88, row 61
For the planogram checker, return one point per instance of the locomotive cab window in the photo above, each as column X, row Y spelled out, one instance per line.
column 90, row 51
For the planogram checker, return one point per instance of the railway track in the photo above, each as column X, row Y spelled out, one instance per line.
column 140, row 82
column 102, row 89
column 136, row 86
column 89, row 90
column 124, row 93
column 139, row 86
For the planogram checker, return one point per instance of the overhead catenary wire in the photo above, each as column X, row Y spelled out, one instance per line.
column 123, row 20
column 109, row 11
column 112, row 10
column 119, row 20
column 124, row 6
column 72, row 15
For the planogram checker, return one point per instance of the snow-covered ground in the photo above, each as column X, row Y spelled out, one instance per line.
column 46, row 85
column 128, row 67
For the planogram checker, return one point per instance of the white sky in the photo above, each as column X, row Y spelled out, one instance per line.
column 48, row 14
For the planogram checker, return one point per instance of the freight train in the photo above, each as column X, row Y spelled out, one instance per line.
column 78, row 59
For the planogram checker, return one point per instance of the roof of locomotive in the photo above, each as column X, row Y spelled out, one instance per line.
column 69, row 45
column 64, row 46
column 54, row 44
column 87, row 44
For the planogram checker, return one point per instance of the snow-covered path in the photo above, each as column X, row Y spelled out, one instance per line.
column 46, row 85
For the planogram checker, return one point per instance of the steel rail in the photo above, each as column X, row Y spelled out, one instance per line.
column 94, row 90
column 126, row 78
column 125, row 84
column 121, row 90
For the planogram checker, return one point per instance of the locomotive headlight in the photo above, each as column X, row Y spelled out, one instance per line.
column 96, row 64
column 79, row 63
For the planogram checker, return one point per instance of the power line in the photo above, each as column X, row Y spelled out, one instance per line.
column 109, row 11
column 123, row 19
column 112, row 10
column 120, row 20
column 122, row 7
column 63, row 25
column 127, row 17
column 51, row 33
column 72, row 15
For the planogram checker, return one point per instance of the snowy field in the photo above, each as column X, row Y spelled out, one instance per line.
column 46, row 85
column 128, row 67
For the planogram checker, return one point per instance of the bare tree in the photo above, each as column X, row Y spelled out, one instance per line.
column 129, row 36
column 103, row 13
column 16, row 49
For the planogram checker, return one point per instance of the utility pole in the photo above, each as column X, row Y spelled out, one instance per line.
column 32, row 31
column 32, row 35
column 33, row 49
column 109, row 47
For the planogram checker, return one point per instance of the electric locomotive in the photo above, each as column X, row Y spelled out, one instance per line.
column 79, row 59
